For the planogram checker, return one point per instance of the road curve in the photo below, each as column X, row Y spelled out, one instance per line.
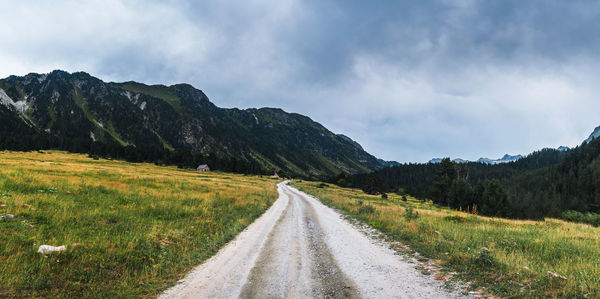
column 300, row 248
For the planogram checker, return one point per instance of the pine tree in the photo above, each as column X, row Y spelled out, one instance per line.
column 442, row 181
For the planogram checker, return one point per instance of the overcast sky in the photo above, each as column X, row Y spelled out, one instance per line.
column 409, row 80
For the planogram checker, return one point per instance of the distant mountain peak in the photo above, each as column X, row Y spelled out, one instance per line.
column 78, row 106
column 505, row 159
column 594, row 135
column 456, row 160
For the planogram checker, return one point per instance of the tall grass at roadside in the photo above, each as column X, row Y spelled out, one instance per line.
column 130, row 229
column 509, row 258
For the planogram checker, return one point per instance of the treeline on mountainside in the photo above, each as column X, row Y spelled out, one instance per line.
column 547, row 183
column 76, row 106
column 451, row 188
column 416, row 179
column 160, row 156
column 566, row 189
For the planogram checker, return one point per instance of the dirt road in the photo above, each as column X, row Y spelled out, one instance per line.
column 302, row 249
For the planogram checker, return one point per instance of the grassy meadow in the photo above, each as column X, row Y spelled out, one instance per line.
column 131, row 229
column 507, row 258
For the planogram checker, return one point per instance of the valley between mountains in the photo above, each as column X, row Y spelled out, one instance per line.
column 174, row 124
column 299, row 149
column 106, row 174
column 133, row 230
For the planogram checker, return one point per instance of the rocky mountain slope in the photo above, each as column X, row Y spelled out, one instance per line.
column 594, row 135
column 80, row 106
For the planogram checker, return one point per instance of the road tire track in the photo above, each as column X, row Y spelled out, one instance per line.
column 302, row 249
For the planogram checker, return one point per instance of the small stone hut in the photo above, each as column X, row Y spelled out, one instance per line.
column 203, row 167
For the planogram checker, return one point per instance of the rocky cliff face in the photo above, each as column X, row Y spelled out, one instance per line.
column 174, row 117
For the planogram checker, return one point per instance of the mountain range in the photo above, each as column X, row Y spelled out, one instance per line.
column 505, row 159
column 81, row 107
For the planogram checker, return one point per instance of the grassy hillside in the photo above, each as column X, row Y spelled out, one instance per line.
column 504, row 257
column 131, row 230
column 173, row 125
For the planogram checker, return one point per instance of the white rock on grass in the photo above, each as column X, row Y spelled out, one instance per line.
column 554, row 275
column 47, row 249
column 8, row 216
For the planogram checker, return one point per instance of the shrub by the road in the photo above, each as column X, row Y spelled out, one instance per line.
column 589, row 217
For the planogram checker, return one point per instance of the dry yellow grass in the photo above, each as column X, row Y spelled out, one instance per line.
column 131, row 229
column 509, row 258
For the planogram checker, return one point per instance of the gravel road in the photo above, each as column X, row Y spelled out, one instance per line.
column 302, row 249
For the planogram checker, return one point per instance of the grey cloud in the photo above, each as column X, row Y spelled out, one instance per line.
column 409, row 80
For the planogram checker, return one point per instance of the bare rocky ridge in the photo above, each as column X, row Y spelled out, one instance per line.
column 300, row 248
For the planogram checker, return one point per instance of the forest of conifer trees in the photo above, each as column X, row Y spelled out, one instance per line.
column 546, row 183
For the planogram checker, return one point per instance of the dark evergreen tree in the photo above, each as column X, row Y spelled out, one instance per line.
column 461, row 195
column 442, row 181
column 372, row 184
column 493, row 200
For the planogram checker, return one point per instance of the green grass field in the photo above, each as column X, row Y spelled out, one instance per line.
column 508, row 258
column 131, row 230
